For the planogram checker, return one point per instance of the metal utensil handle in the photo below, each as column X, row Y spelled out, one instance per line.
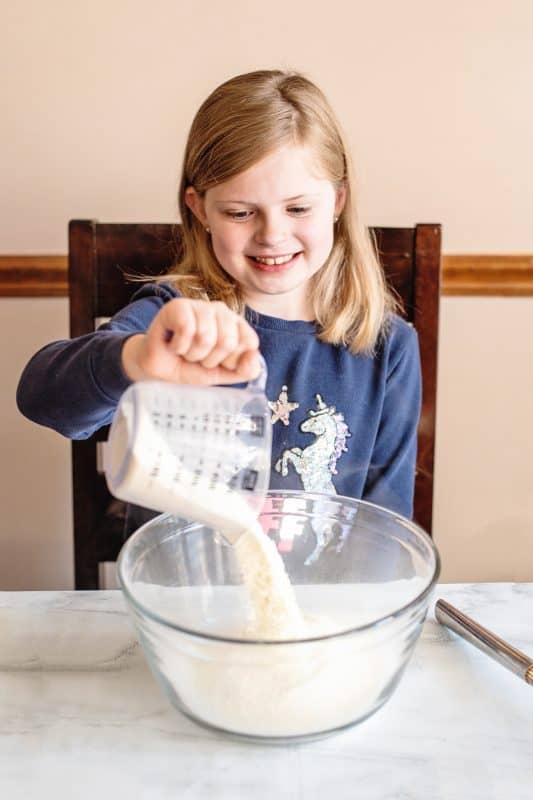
column 485, row 640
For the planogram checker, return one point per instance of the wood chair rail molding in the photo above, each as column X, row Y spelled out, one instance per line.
column 483, row 275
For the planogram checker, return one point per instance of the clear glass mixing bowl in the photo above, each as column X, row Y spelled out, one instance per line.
column 365, row 570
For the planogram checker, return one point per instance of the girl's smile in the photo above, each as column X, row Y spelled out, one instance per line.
column 271, row 229
column 273, row 263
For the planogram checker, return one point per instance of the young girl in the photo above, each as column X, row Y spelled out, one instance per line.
column 275, row 260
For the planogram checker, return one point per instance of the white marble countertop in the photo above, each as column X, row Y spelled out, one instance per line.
column 81, row 716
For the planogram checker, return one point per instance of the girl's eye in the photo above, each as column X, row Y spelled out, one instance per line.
column 238, row 215
column 243, row 215
column 299, row 210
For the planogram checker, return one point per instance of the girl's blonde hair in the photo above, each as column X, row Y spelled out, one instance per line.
column 241, row 122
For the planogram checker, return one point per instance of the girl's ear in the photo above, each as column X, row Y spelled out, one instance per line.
column 340, row 199
column 196, row 204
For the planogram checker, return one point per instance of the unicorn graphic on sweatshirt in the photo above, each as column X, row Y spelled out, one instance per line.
column 316, row 463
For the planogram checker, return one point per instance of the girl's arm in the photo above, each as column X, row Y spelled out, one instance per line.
column 74, row 386
column 390, row 480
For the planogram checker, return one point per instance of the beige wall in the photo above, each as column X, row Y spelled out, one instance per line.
column 484, row 478
column 35, row 493
column 434, row 98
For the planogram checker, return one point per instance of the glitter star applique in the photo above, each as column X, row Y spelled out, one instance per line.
column 281, row 407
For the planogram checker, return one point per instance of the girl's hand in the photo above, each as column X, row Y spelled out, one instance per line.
column 195, row 342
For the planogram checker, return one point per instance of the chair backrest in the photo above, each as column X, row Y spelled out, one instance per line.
column 102, row 255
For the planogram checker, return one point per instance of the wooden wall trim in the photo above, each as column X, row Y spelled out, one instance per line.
column 33, row 276
column 488, row 275
column 467, row 275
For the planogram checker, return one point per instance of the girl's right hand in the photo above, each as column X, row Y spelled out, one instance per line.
column 195, row 342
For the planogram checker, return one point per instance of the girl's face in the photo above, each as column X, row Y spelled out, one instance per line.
column 272, row 229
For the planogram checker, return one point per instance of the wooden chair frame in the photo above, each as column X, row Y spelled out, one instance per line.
column 100, row 255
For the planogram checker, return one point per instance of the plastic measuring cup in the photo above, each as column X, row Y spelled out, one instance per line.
column 200, row 452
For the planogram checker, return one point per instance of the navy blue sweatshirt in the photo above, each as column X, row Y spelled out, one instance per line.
column 353, row 417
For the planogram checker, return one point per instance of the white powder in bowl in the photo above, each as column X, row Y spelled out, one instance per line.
column 283, row 688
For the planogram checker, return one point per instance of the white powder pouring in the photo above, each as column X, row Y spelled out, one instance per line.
column 274, row 612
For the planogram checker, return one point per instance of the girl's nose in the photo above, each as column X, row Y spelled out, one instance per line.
column 271, row 231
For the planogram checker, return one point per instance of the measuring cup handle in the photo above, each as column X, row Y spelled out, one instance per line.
column 259, row 384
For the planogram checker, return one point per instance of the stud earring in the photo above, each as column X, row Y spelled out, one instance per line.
column 208, row 230
column 336, row 219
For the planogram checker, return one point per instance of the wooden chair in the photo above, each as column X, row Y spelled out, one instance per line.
column 100, row 255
